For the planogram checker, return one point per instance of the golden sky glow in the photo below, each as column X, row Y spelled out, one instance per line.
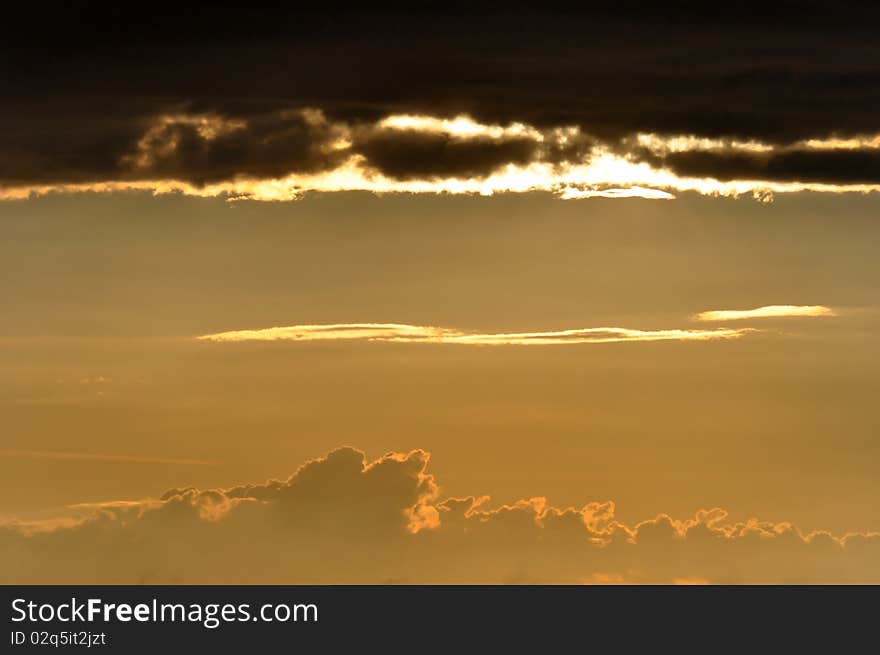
column 446, row 296
column 137, row 411
column 48, row 454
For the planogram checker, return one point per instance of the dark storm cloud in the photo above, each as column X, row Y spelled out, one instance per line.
column 192, row 148
column 75, row 145
column 268, row 145
column 801, row 165
column 405, row 154
column 207, row 148
column 408, row 154
column 82, row 82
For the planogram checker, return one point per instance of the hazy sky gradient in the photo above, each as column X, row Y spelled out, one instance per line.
column 103, row 296
column 613, row 254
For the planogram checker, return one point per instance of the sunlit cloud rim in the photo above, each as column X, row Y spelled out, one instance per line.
column 604, row 170
column 405, row 333
column 767, row 311
column 606, row 176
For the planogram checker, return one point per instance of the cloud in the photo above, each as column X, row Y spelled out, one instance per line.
column 768, row 311
column 283, row 154
column 807, row 165
column 403, row 333
column 342, row 518
column 201, row 149
column 407, row 147
column 205, row 100
column 775, row 73
column 431, row 156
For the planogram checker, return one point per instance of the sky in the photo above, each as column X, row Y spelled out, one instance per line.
column 446, row 296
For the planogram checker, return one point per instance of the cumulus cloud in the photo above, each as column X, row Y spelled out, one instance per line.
column 768, row 311
column 342, row 518
column 403, row 333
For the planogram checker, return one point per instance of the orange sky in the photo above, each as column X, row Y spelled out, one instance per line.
column 108, row 394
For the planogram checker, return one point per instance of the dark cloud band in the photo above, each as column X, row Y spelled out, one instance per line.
column 85, row 84
column 856, row 166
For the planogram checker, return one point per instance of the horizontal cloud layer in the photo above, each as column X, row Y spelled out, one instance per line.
column 402, row 333
column 768, row 311
column 281, row 155
column 344, row 519
column 766, row 98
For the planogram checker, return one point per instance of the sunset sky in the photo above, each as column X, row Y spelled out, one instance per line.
column 447, row 296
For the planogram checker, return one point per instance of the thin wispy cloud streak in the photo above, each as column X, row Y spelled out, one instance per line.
column 404, row 333
column 768, row 311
